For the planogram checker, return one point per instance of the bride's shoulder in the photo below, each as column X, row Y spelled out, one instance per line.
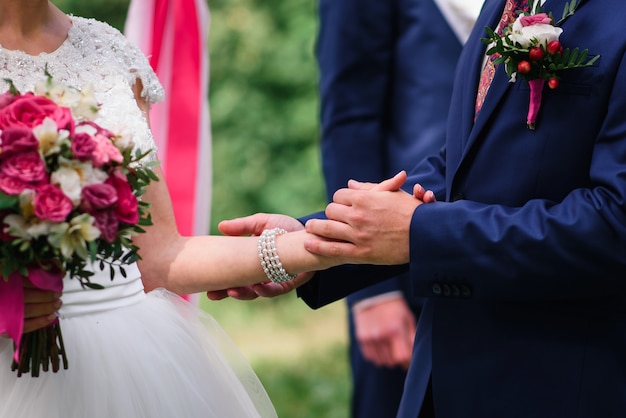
column 104, row 45
column 98, row 34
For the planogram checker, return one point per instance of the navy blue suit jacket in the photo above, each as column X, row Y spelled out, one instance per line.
column 523, row 260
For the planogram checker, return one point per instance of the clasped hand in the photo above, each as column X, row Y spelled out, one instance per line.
column 368, row 223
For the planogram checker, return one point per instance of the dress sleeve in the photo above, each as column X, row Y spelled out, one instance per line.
column 139, row 68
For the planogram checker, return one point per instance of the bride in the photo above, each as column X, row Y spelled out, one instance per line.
column 133, row 351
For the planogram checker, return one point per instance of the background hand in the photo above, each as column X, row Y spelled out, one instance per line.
column 385, row 332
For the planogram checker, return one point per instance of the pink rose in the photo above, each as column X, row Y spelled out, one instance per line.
column 15, row 139
column 107, row 222
column 26, row 166
column 51, row 204
column 29, row 111
column 98, row 196
column 12, row 186
column 105, row 151
column 83, row 146
column 6, row 99
column 126, row 209
column 538, row 19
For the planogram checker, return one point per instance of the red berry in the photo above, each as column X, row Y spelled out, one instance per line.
column 535, row 53
column 553, row 83
column 554, row 47
column 523, row 67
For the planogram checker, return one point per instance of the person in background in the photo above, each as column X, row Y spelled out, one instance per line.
column 386, row 74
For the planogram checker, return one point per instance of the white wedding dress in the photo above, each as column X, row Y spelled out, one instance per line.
column 131, row 354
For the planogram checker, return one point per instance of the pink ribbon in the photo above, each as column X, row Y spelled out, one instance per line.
column 536, row 91
column 12, row 300
column 180, row 163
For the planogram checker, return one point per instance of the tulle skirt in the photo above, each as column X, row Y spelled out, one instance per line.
column 159, row 358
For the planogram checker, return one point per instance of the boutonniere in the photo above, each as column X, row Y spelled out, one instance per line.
column 530, row 48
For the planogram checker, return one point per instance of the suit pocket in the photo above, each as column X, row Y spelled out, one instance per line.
column 575, row 81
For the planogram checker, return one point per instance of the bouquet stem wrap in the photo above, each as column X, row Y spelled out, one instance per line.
column 12, row 321
column 536, row 91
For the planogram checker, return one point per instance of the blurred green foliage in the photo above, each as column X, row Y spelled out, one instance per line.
column 263, row 100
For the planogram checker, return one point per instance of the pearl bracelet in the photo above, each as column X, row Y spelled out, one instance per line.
column 269, row 256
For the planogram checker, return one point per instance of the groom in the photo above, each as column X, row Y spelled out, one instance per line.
column 523, row 257
column 383, row 107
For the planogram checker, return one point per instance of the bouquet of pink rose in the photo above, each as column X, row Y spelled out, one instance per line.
column 69, row 192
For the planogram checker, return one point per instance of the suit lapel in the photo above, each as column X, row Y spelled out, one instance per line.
column 464, row 131
column 557, row 7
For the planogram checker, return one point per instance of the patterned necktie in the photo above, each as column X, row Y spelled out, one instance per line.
column 511, row 10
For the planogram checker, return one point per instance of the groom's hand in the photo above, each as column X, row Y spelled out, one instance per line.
column 394, row 183
column 255, row 225
column 366, row 225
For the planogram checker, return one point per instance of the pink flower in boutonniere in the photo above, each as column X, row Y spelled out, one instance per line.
column 530, row 49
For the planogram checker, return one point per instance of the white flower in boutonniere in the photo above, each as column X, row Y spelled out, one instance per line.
column 530, row 48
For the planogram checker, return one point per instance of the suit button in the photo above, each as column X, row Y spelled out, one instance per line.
column 458, row 196
column 465, row 291
column 455, row 290
column 446, row 290
column 436, row 289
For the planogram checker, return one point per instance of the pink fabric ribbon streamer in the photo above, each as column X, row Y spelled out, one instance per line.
column 12, row 300
column 536, row 91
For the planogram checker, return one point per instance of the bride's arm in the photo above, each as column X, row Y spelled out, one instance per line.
column 204, row 263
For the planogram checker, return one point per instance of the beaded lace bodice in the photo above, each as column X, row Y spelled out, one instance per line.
column 95, row 54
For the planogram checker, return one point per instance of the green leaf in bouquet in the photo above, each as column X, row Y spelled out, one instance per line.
column 8, row 202
column 93, row 286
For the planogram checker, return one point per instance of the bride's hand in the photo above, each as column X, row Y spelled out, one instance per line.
column 40, row 307
column 264, row 290
column 255, row 225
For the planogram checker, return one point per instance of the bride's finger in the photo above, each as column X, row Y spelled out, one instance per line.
column 216, row 295
column 36, row 323
column 242, row 293
column 35, row 310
